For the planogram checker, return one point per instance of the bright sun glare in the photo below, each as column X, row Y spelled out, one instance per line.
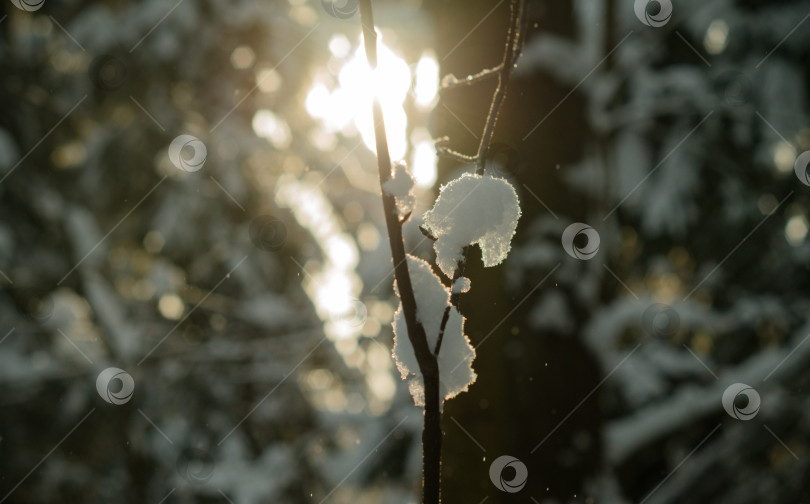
column 345, row 106
column 341, row 98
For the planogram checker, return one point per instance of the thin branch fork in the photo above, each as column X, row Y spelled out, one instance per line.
column 428, row 365
column 503, row 72
column 513, row 39
column 427, row 361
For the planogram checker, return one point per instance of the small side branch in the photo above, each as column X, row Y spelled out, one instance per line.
column 451, row 82
column 445, row 318
column 443, row 150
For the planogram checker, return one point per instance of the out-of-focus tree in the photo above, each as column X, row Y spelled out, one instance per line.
column 156, row 167
column 675, row 138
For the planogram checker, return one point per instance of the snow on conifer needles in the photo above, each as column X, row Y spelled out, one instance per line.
column 432, row 298
column 473, row 209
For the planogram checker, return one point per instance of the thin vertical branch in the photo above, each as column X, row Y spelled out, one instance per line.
column 427, row 361
column 503, row 72
column 428, row 365
column 513, row 40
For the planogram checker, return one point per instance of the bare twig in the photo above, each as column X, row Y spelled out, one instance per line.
column 443, row 150
column 428, row 365
column 450, row 81
column 513, row 40
column 503, row 72
column 445, row 318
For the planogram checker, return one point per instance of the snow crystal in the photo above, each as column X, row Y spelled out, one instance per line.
column 456, row 353
column 461, row 285
column 473, row 209
column 400, row 186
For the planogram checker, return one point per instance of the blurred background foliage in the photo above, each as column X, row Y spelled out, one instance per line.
column 251, row 300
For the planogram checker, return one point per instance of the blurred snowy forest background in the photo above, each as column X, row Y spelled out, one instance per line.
column 250, row 300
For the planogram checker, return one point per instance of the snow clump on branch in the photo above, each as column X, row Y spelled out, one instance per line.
column 473, row 209
column 400, row 186
column 455, row 354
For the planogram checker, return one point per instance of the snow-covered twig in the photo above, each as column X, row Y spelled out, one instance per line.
column 454, row 223
column 426, row 360
column 514, row 40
